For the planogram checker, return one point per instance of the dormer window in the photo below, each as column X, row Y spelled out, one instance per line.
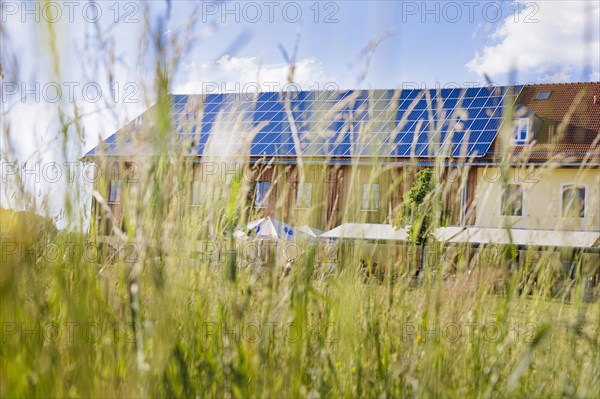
column 521, row 133
column 543, row 95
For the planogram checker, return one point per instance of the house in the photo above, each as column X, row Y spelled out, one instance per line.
column 553, row 163
column 524, row 157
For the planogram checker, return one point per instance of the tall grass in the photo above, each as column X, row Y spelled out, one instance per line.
column 68, row 330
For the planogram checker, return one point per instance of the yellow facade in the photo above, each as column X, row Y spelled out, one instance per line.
column 337, row 194
column 542, row 198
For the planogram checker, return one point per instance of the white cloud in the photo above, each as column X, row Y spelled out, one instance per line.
column 247, row 74
column 31, row 144
column 553, row 47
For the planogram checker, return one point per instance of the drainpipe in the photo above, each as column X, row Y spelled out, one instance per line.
column 463, row 203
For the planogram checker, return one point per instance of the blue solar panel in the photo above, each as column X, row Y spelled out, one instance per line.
column 353, row 123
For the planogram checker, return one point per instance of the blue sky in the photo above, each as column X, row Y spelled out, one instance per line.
column 404, row 44
column 429, row 42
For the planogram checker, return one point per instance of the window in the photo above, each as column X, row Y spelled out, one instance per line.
column 303, row 195
column 521, row 130
column 261, row 200
column 114, row 194
column 569, row 268
column 370, row 198
column 512, row 200
column 542, row 95
column 198, row 193
column 573, row 201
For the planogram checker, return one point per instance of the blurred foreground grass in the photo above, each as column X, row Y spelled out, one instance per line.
column 69, row 330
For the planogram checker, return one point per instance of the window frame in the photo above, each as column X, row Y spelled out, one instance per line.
column 201, row 190
column 118, row 191
column 544, row 93
column 516, row 137
column 301, row 188
column 501, row 202
column 585, row 200
column 372, row 198
column 262, row 204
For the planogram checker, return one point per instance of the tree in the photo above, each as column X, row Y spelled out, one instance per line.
column 417, row 211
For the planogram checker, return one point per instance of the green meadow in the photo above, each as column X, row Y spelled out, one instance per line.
column 158, row 318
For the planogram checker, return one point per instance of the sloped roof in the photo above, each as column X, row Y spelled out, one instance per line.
column 339, row 124
column 564, row 152
column 363, row 124
column 571, row 103
column 569, row 128
column 366, row 231
column 549, row 238
column 269, row 228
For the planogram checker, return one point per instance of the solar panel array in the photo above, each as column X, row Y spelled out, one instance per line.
column 354, row 123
